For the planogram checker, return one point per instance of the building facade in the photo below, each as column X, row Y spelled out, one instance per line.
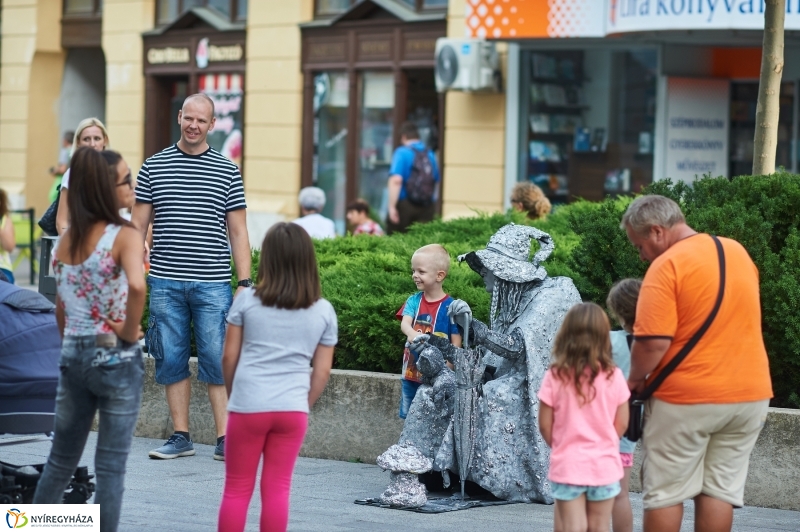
column 599, row 97
column 290, row 111
column 604, row 97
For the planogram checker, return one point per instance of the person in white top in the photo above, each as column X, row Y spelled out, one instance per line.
column 312, row 201
column 90, row 133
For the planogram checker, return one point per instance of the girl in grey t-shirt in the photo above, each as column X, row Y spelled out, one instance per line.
column 275, row 331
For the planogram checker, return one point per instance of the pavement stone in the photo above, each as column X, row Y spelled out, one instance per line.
column 184, row 494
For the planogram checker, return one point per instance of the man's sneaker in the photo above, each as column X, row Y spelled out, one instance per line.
column 176, row 446
column 219, row 451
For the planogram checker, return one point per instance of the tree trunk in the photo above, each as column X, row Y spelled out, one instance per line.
column 769, row 89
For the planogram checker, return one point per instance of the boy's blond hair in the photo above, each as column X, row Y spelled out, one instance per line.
column 437, row 255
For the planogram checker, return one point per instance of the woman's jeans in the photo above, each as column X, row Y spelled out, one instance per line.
column 94, row 377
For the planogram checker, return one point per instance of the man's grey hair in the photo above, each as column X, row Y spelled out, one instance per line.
column 646, row 211
column 200, row 96
column 312, row 199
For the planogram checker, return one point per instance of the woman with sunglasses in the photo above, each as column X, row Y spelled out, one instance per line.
column 100, row 284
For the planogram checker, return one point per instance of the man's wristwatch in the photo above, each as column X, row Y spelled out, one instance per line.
column 245, row 282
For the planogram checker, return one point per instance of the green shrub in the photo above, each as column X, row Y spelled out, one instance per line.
column 760, row 212
column 368, row 278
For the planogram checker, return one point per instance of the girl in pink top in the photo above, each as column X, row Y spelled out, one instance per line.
column 583, row 413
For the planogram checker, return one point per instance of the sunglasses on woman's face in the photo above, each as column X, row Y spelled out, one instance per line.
column 127, row 181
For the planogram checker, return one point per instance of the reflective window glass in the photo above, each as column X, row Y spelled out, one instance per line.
column 332, row 7
column 241, row 10
column 376, row 142
column 331, row 101
column 78, row 6
column 167, row 11
column 590, row 121
column 223, row 6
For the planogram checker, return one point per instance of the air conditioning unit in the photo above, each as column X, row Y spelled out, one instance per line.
column 466, row 65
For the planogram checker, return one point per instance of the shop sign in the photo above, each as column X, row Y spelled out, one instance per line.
column 665, row 15
column 208, row 53
column 168, row 55
column 697, row 118
column 597, row 18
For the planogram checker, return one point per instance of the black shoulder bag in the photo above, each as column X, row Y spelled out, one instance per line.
column 48, row 220
column 636, row 402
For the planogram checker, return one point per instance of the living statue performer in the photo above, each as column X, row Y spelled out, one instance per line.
column 492, row 423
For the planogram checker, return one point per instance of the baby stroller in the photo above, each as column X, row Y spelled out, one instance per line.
column 30, row 345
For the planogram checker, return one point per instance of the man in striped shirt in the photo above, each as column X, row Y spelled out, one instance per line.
column 195, row 198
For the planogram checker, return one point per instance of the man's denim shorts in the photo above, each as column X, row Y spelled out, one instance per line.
column 176, row 309
column 568, row 492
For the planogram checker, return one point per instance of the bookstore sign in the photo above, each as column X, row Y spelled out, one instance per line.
column 697, row 121
column 665, row 15
column 535, row 19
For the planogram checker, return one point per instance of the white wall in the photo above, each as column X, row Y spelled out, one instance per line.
column 83, row 88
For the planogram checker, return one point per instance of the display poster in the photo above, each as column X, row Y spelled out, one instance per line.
column 696, row 125
column 536, row 19
column 226, row 90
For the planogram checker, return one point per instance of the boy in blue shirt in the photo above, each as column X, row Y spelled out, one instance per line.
column 425, row 312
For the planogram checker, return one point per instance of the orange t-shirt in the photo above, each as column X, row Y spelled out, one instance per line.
column 729, row 364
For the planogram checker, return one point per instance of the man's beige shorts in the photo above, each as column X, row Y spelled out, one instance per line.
column 694, row 449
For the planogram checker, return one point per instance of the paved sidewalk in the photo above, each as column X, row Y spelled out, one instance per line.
column 183, row 495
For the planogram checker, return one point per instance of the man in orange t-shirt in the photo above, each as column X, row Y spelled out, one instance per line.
column 704, row 419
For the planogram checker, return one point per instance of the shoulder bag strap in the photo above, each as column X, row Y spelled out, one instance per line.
column 677, row 359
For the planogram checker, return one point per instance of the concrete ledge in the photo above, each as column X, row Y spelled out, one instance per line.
column 356, row 420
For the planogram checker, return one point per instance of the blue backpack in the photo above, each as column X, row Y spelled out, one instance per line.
column 421, row 184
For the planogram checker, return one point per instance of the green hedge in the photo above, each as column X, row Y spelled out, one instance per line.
column 368, row 278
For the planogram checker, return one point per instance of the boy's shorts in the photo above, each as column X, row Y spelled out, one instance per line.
column 407, row 393
column 568, row 492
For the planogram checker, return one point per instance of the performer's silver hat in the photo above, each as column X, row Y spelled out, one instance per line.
column 508, row 254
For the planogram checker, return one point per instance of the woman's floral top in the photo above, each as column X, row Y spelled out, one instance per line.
column 92, row 290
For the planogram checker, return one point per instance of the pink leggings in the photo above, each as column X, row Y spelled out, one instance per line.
column 276, row 435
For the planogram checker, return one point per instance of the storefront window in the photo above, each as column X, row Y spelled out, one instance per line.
column 169, row 10
column 333, row 7
column 426, row 4
column 241, row 10
column 744, row 98
column 223, row 6
column 82, row 7
column 375, row 141
column 590, row 121
column 331, row 101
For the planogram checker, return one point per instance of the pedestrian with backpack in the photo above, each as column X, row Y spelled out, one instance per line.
column 413, row 182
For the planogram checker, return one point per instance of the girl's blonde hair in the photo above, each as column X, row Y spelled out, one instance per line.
column 532, row 199
column 622, row 299
column 582, row 349
column 89, row 122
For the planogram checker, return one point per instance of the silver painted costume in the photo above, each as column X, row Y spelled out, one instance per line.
column 496, row 428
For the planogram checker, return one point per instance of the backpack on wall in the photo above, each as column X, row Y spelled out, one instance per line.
column 421, row 184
